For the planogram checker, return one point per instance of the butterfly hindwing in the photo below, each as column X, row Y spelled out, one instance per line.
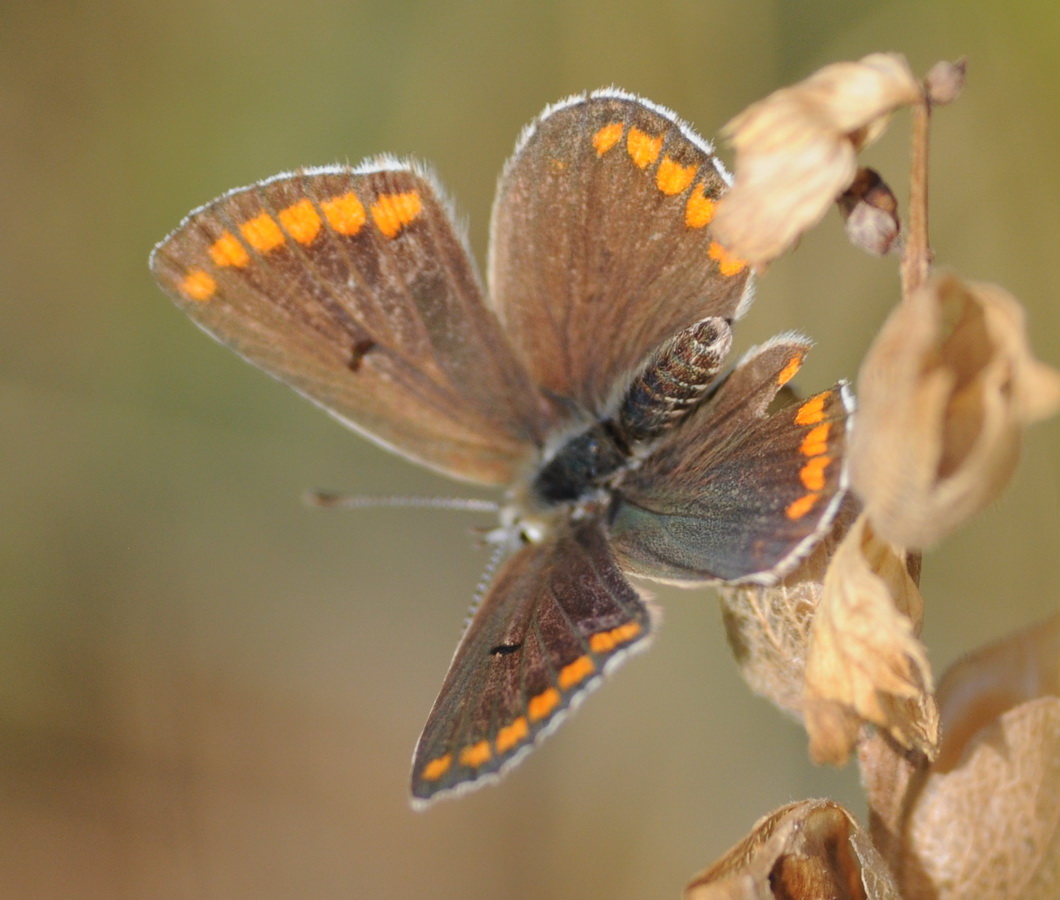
column 600, row 242
column 737, row 492
column 557, row 615
column 354, row 287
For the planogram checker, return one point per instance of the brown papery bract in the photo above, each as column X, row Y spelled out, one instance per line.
column 944, row 396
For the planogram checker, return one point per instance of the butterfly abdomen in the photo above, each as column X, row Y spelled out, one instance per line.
column 674, row 381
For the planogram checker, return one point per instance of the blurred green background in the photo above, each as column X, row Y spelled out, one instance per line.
column 207, row 690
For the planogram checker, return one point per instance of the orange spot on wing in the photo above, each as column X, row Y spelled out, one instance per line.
column 812, row 411
column 345, row 213
column 605, row 641
column 607, row 137
column 672, row 178
column 512, row 734
column 262, row 233
column 475, row 755
column 228, row 251
column 541, row 705
column 576, row 672
column 816, row 441
column 392, row 212
column 788, row 372
column 643, row 149
column 699, row 209
column 198, row 285
column 727, row 263
column 812, row 474
column 436, row 768
column 798, row 508
column 301, row 221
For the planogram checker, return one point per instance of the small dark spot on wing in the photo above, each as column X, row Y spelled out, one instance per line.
column 360, row 350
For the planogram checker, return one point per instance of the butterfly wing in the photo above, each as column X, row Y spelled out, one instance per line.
column 600, row 245
column 354, row 287
column 558, row 614
column 735, row 493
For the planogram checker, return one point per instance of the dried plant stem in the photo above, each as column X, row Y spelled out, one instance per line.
column 916, row 256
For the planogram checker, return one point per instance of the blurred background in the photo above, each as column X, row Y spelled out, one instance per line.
column 207, row 690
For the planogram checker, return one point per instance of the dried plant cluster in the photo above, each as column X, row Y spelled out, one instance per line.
column 963, row 782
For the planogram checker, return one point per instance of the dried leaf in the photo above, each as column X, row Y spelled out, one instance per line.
column 984, row 819
column 944, row 396
column 991, row 826
column 865, row 663
column 796, row 151
column 810, row 849
column 769, row 627
column 977, row 689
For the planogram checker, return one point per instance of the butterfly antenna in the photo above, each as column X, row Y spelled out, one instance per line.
column 335, row 500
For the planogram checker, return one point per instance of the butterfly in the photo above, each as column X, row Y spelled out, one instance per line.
column 588, row 381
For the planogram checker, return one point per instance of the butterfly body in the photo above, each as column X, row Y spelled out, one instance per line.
column 587, row 379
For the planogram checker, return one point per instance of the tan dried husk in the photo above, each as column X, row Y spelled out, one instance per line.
column 796, row 151
column 864, row 661
column 944, row 396
column 769, row 627
column 810, row 849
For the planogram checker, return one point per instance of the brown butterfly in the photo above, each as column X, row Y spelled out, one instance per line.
column 588, row 381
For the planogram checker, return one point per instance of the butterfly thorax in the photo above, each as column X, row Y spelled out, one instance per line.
column 580, row 475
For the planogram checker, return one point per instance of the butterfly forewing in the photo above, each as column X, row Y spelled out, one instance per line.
column 354, row 287
column 601, row 246
column 737, row 493
column 558, row 613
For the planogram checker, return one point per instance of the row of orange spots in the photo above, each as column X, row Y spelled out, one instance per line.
column 539, row 707
column 606, row 641
column 814, row 447
column 672, row 179
column 345, row 214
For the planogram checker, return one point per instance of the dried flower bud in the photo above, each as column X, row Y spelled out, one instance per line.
column 796, row 151
column 945, row 393
column 945, row 81
column 870, row 213
column 809, row 849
